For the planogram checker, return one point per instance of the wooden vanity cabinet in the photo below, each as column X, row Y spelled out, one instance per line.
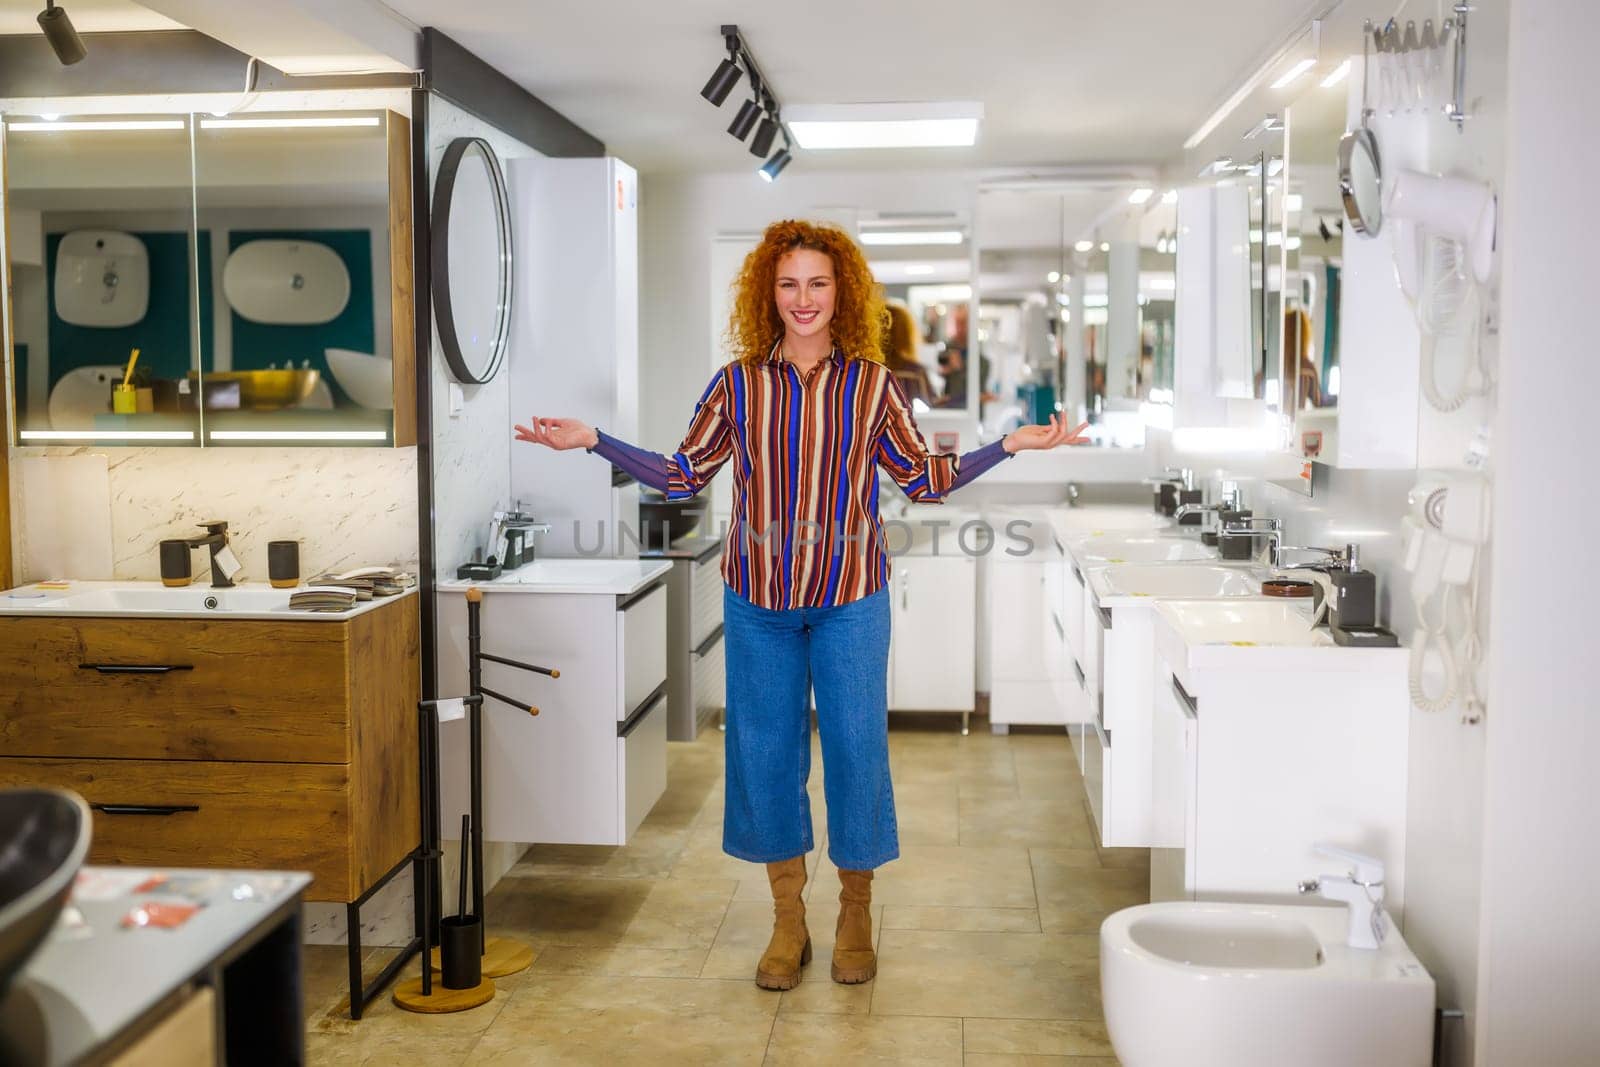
column 228, row 743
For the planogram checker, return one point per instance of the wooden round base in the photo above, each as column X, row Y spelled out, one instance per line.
column 501, row 956
column 408, row 995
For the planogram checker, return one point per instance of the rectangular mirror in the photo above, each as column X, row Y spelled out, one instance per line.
column 260, row 262
column 297, row 254
column 100, row 261
column 1313, row 248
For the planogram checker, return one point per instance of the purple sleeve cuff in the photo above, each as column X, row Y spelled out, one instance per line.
column 649, row 468
column 979, row 460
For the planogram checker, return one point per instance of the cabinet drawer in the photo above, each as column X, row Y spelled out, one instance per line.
column 641, row 649
column 188, row 1035
column 641, row 768
column 161, row 813
column 180, row 689
column 710, row 669
column 705, row 599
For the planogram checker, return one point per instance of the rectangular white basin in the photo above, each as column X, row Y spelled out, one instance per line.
column 1251, row 623
column 591, row 576
column 1106, row 518
column 1093, row 551
column 248, row 600
column 1185, row 581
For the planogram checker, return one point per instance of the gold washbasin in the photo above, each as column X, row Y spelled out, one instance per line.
column 266, row 390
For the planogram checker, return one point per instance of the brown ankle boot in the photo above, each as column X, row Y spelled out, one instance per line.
column 854, row 961
column 790, row 947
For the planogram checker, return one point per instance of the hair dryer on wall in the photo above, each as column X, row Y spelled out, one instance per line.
column 1444, row 532
column 1444, row 244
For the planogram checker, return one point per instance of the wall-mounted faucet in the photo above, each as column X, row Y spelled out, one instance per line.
column 1174, row 487
column 216, row 538
column 1360, row 890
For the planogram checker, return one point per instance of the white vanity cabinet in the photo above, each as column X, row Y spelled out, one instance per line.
column 1261, row 751
column 1025, row 649
column 589, row 767
column 932, row 625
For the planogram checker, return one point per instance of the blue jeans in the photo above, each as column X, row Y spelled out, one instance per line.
column 774, row 659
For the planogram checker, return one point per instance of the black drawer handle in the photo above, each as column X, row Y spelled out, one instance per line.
column 1189, row 705
column 1082, row 678
column 135, row 668
column 711, row 639
column 144, row 809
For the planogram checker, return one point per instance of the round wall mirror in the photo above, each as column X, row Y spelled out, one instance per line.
column 471, row 260
column 1361, row 181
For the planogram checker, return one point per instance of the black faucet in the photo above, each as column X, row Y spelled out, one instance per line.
column 216, row 537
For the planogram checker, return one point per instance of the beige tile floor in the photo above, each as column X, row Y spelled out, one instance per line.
column 987, row 933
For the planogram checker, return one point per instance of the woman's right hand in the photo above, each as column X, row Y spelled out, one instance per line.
column 559, row 434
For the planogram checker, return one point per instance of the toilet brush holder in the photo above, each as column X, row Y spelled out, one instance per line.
column 460, row 951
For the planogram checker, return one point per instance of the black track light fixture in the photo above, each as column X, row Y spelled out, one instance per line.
column 766, row 133
column 745, row 120
column 760, row 113
column 774, row 166
column 727, row 73
column 58, row 30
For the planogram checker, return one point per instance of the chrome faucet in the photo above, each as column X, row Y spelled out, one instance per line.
column 1360, row 890
column 216, row 538
column 1269, row 530
column 1347, row 558
column 1230, row 502
column 1175, row 476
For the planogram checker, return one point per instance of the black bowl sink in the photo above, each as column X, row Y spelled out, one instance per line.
column 44, row 837
column 664, row 521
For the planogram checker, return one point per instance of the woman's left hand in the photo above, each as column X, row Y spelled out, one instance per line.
column 1040, row 437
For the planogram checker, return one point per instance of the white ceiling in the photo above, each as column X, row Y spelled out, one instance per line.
column 88, row 16
column 1061, row 81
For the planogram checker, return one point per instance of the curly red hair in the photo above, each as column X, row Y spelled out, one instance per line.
column 859, row 313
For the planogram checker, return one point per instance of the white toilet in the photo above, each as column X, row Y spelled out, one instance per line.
column 1191, row 984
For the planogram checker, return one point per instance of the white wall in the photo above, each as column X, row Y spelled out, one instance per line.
column 471, row 450
column 682, row 213
column 1540, row 948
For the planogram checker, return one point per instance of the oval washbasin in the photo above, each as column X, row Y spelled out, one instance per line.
column 1140, row 550
column 1253, row 942
column 1252, row 622
column 1161, row 580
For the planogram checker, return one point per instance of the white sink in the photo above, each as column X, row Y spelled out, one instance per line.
column 1241, row 985
column 1166, row 580
column 1246, row 624
column 248, row 600
column 1096, row 518
column 593, row 576
column 1092, row 551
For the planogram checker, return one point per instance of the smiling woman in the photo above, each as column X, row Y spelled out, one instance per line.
column 808, row 412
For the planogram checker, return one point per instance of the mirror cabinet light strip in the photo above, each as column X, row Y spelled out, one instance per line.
column 298, row 435
column 107, row 435
column 95, row 125
column 325, row 122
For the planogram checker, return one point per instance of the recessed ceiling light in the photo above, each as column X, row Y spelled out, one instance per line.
column 1337, row 76
column 1105, row 246
column 917, row 269
column 1294, row 72
column 1170, row 196
column 1084, row 246
column 1053, row 277
column 1140, row 195
column 911, row 237
column 949, row 125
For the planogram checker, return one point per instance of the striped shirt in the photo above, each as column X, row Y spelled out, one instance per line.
column 805, row 451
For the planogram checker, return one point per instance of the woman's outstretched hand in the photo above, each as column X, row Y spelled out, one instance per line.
column 1039, row 437
column 559, row 434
